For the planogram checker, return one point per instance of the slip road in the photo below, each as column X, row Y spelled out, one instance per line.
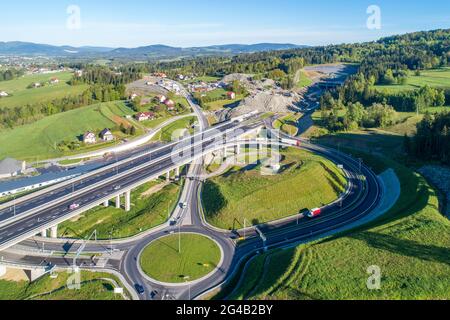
column 225, row 310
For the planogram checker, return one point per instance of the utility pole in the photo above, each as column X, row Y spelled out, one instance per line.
column 179, row 238
column 168, row 211
column 186, row 278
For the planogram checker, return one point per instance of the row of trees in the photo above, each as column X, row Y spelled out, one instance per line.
column 10, row 74
column 432, row 141
column 355, row 116
column 31, row 112
column 107, row 76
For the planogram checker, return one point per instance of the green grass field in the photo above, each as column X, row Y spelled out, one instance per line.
column 146, row 212
column 438, row 78
column 223, row 100
column 411, row 245
column 175, row 128
column 162, row 261
column 93, row 287
column 20, row 95
column 242, row 194
column 304, row 81
column 39, row 139
column 288, row 124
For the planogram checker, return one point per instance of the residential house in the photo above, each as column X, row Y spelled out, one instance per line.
column 160, row 75
column 89, row 138
column 107, row 135
column 144, row 116
column 3, row 94
column 36, row 85
column 161, row 98
column 170, row 104
column 231, row 95
column 133, row 96
column 54, row 80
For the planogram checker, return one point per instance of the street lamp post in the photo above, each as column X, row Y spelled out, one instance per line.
column 117, row 166
column 14, row 206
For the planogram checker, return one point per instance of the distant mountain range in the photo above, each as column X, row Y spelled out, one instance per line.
column 147, row 52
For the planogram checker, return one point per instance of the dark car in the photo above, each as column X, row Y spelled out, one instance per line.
column 140, row 289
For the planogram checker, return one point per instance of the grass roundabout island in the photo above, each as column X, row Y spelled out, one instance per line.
column 162, row 260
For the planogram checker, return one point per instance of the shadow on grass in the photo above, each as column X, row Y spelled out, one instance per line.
column 405, row 247
column 213, row 200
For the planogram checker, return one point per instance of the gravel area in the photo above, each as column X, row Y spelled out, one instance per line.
column 439, row 176
column 265, row 96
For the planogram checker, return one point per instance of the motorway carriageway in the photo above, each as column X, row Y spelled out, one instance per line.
column 68, row 189
column 40, row 220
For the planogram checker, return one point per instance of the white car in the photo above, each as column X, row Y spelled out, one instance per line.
column 183, row 205
column 74, row 206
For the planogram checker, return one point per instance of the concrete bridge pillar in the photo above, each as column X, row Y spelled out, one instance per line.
column 237, row 149
column 2, row 271
column 168, row 176
column 177, row 173
column 128, row 201
column 118, row 202
column 225, row 152
column 44, row 233
column 54, row 232
column 106, row 204
column 35, row 274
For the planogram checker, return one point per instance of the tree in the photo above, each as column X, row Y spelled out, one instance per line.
column 388, row 78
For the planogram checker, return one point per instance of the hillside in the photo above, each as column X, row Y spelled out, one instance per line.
column 144, row 52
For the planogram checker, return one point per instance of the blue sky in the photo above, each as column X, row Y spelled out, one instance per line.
column 185, row 23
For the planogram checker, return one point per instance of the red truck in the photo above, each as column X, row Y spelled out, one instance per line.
column 314, row 213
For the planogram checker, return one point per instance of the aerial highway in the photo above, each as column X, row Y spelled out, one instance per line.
column 26, row 217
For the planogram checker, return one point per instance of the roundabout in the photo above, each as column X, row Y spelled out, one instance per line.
column 180, row 258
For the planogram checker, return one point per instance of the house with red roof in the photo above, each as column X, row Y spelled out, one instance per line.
column 144, row 116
